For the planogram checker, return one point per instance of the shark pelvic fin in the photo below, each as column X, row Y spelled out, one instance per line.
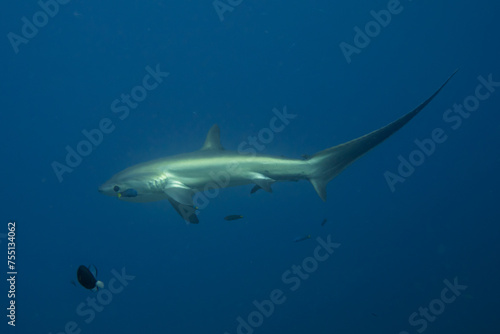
column 212, row 142
column 254, row 189
column 263, row 182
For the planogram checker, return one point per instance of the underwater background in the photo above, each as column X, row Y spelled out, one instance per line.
column 419, row 256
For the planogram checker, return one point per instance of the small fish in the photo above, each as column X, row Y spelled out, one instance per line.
column 323, row 222
column 305, row 237
column 128, row 193
column 374, row 314
column 73, row 282
column 233, row 217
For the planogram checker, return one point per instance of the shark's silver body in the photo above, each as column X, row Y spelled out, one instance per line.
column 179, row 178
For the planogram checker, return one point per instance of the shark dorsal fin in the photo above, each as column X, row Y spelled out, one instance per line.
column 213, row 139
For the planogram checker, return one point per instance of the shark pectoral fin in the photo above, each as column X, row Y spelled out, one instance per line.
column 179, row 192
column 181, row 198
column 263, row 182
column 181, row 195
column 187, row 212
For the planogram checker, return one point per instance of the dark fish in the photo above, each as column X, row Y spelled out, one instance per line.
column 128, row 193
column 233, row 217
column 323, row 222
column 87, row 278
column 73, row 282
column 305, row 237
column 374, row 314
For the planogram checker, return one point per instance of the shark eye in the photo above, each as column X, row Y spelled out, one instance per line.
column 116, row 188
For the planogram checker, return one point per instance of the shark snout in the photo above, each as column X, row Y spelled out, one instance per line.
column 105, row 189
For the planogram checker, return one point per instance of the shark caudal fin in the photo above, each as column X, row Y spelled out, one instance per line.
column 329, row 163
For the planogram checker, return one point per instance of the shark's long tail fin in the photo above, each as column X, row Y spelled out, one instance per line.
column 329, row 163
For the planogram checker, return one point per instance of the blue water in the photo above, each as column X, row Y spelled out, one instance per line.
column 396, row 252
